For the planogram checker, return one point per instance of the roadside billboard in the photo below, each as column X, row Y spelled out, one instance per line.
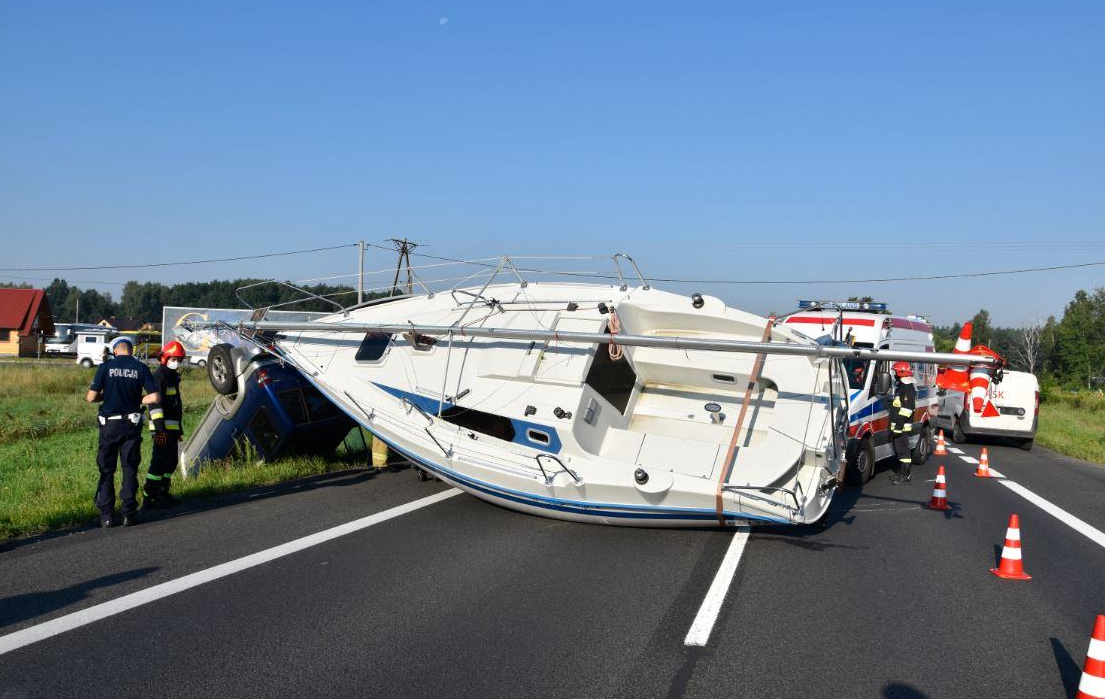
column 199, row 341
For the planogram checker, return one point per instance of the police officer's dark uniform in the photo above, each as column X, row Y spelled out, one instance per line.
column 901, row 421
column 121, row 381
column 166, row 418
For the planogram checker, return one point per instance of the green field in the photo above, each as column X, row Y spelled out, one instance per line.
column 48, row 437
column 1073, row 423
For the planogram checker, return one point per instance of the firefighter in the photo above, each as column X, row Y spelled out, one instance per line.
column 901, row 421
column 118, row 386
column 166, row 424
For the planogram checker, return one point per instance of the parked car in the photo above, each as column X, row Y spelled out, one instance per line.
column 265, row 406
column 1017, row 399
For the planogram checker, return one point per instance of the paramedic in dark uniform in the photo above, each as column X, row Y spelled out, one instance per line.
column 165, row 423
column 118, row 387
column 901, row 421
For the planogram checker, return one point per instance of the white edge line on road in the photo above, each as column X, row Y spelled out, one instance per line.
column 703, row 624
column 103, row 610
column 1095, row 535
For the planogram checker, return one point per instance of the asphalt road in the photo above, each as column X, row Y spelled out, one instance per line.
column 462, row 598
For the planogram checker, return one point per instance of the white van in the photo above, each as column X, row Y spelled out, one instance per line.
column 91, row 346
column 1017, row 399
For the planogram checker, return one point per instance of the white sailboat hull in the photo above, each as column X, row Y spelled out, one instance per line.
column 565, row 430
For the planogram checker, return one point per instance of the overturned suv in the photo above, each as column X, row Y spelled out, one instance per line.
column 265, row 407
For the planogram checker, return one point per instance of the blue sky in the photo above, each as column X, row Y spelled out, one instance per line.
column 728, row 140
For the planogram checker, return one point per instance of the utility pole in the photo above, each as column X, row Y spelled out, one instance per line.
column 404, row 248
column 360, row 272
column 77, row 313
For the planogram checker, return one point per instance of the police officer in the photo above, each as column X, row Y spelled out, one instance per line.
column 165, row 423
column 118, row 387
column 901, row 421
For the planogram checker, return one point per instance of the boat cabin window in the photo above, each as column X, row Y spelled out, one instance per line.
column 492, row 425
column 373, row 347
column 613, row 380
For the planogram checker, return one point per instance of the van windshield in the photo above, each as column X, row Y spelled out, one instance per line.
column 857, row 369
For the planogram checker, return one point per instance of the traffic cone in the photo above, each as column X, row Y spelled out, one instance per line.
column 941, row 450
column 983, row 470
column 939, row 492
column 956, row 377
column 1092, row 685
column 1011, row 566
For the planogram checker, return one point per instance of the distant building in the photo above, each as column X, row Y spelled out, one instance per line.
column 128, row 325
column 25, row 317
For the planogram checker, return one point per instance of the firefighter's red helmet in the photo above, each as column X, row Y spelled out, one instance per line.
column 173, row 350
column 902, row 369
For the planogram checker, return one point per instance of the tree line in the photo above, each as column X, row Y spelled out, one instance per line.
column 1067, row 351
column 145, row 300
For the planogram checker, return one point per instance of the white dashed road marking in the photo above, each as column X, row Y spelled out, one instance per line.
column 969, row 459
column 1095, row 535
column 954, row 450
column 96, row 612
column 703, row 624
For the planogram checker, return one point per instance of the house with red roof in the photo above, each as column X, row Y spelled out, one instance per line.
column 25, row 317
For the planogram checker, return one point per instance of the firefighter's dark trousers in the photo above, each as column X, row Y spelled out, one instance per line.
column 163, row 461
column 901, row 451
column 120, row 441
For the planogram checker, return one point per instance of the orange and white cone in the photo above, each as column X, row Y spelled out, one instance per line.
column 941, row 449
column 1012, row 566
column 983, row 470
column 1092, row 685
column 956, row 377
column 939, row 492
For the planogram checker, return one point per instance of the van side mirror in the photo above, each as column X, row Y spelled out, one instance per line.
column 883, row 383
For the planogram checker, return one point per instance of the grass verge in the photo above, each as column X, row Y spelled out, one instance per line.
column 1074, row 428
column 48, row 439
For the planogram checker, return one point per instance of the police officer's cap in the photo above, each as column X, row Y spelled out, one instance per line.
column 119, row 340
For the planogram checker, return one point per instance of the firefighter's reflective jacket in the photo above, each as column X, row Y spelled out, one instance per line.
column 167, row 414
column 902, row 407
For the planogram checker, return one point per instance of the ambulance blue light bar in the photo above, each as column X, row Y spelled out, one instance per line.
column 845, row 305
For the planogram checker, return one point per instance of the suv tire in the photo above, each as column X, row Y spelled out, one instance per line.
column 220, row 369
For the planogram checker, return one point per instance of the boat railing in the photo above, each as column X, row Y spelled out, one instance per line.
column 553, row 457
column 621, row 277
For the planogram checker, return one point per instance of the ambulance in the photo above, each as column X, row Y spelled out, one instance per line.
column 870, row 325
column 1017, row 400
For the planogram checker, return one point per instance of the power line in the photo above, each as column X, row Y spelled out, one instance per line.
column 175, row 264
column 931, row 277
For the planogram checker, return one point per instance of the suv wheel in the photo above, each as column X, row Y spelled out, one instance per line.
column 220, row 369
